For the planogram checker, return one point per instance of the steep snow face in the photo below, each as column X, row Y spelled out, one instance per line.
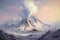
column 33, row 23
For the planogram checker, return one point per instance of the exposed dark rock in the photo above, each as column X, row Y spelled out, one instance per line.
column 5, row 36
column 34, row 30
column 51, row 36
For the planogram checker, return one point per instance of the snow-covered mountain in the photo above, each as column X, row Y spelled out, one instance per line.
column 25, row 27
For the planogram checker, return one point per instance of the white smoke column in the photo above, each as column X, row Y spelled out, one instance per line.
column 32, row 7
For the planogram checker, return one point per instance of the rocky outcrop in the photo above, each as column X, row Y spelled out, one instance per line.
column 51, row 36
column 5, row 36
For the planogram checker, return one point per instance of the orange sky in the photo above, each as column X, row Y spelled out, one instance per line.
column 50, row 12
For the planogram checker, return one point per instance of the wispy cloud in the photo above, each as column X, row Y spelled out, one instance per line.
column 17, row 9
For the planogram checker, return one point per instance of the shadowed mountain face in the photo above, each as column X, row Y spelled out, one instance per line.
column 48, row 36
column 5, row 36
column 51, row 36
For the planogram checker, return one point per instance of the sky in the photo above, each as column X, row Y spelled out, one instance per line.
column 46, row 10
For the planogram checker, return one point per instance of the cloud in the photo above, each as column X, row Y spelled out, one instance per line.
column 16, row 9
column 31, row 6
column 8, row 9
column 22, row 8
column 12, row 9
